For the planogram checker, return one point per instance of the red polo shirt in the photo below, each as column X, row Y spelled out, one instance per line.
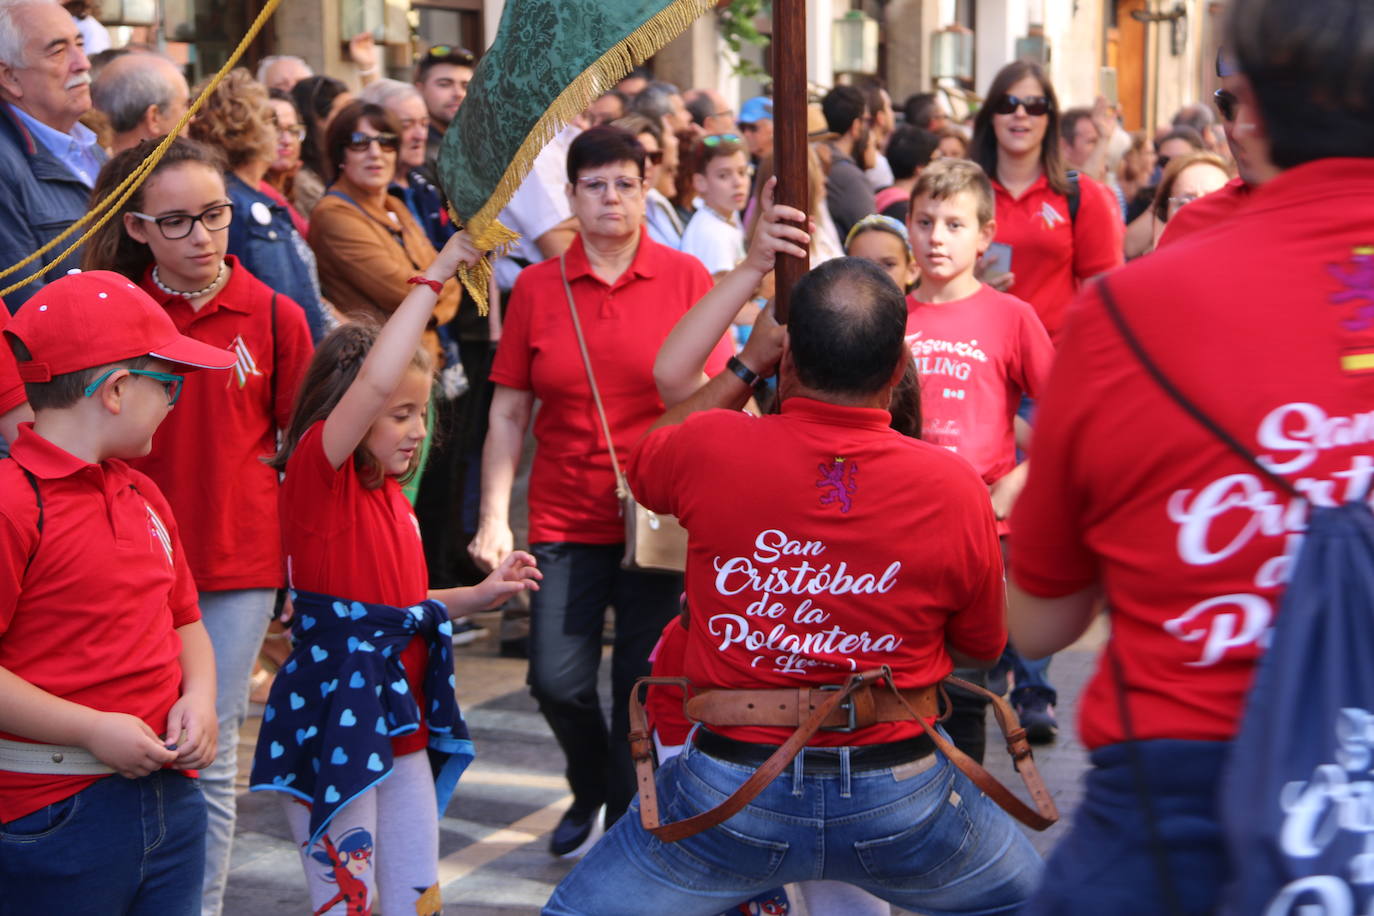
column 1050, row 254
column 11, row 385
column 572, row 486
column 975, row 357
column 1205, row 212
column 823, row 542
column 1267, row 323
column 346, row 540
column 88, row 608
column 207, row 455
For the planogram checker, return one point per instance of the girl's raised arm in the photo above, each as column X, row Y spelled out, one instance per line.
column 678, row 367
column 386, row 363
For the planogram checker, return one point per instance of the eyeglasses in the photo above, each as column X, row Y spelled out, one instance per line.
column 179, row 225
column 295, row 132
column 1226, row 103
column 1177, row 203
column 1035, row 105
column 714, row 140
column 654, row 156
column 462, row 56
column 358, row 142
column 171, row 383
column 624, row 186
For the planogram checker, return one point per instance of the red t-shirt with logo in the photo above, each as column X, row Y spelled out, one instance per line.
column 1205, row 212
column 1050, row 254
column 11, row 385
column 207, row 455
column 823, row 542
column 572, row 486
column 975, row 357
column 1267, row 323
column 349, row 541
column 89, row 606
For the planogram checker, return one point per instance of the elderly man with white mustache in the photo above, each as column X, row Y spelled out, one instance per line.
column 48, row 161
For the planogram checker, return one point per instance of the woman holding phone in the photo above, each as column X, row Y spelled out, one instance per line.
column 1055, row 228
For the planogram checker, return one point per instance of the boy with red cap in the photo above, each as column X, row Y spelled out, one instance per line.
column 107, row 677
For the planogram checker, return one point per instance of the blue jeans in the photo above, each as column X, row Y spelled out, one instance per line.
column 120, row 846
column 1106, row 863
column 919, row 835
column 237, row 622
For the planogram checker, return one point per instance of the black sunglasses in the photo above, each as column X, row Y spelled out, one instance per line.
column 654, row 156
column 358, row 141
column 1035, row 105
column 1226, row 103
column 461, row 56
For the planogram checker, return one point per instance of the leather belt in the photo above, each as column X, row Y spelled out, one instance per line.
column 853, row 701
column 790, row 708
column 819, row 761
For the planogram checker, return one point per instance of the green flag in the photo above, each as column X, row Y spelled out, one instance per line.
column 550, row 60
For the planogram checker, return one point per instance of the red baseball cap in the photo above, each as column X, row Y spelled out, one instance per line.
column 97, row 317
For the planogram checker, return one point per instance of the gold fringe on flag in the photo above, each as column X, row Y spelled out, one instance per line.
column 486, row 230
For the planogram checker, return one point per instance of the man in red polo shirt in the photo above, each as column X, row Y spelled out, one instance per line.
column 1265, row 321
column 106, row 671
column 822, row 543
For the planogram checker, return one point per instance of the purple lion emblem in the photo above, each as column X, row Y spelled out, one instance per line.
column 837, row 483
column 1357, row 276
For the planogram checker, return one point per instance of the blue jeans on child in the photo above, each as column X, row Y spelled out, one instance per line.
column 121, row 846
column 918, row 835
column 1106, row 864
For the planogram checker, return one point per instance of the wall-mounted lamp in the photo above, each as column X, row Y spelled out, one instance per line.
column 951, row 54
column 854, row 38
column 1178, row 25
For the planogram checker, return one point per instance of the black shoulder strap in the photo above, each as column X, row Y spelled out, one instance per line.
column 37, row 498
column 1207, row 423
column 1075, row 197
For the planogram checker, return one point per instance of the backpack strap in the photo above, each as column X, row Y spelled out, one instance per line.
column 38, row 499
column 1075, row 196
column 272, row 380
column 1182, row 400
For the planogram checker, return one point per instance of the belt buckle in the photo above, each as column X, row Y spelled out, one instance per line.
column 847, row 705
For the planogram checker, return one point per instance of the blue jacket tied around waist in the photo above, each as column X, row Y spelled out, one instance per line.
column 342, row 695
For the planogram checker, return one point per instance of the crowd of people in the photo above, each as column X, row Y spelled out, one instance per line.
column 349, row 432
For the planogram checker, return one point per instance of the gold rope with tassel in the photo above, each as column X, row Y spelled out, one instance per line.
column 486, row 230
column 111, row 203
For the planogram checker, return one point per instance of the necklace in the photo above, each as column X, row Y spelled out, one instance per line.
column 193, row 294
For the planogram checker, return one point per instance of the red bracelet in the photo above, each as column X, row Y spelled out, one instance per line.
column 426, row 281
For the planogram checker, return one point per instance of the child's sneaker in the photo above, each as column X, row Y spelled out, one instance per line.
column 1036, row 713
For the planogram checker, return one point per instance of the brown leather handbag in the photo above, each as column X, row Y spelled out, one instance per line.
column 654, row 542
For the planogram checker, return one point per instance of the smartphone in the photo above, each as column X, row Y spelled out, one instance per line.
column 997, row 261
column 1106, row 81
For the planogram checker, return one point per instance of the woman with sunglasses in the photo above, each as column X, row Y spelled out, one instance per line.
column 368, row 244
column 1061, row 230
column 238, row 119
column 171, row 238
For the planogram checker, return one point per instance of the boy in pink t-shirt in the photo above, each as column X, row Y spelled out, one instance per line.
column 977, row 352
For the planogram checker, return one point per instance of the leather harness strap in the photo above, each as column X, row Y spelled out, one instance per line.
column 846, row 707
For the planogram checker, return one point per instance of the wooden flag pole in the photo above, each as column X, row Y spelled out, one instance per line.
column 789, row 132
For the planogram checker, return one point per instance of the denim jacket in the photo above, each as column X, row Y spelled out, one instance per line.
column 265, row 240
column 39, row 197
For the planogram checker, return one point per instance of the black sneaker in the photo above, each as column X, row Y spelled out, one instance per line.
column 1036, row 712
column 579, row 829
column 465, row 631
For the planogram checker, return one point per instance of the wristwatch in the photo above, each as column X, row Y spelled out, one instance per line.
column 746, row 375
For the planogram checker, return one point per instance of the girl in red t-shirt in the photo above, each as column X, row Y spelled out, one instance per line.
column 171, row 237
column 357, row 569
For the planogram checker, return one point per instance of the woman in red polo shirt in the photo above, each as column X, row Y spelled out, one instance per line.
column 170, row 237
column 629, row 292
column 1055, row 245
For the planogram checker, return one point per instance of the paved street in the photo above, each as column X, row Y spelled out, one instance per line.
column 493, row 841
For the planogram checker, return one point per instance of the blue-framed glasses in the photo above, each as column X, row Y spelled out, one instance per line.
column 171, row 383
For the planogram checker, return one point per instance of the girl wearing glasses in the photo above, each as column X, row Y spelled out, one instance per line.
column 1061, row 229
column 171, row 237
column 367, row 242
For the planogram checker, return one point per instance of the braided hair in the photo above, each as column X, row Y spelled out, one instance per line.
column 331, row 372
